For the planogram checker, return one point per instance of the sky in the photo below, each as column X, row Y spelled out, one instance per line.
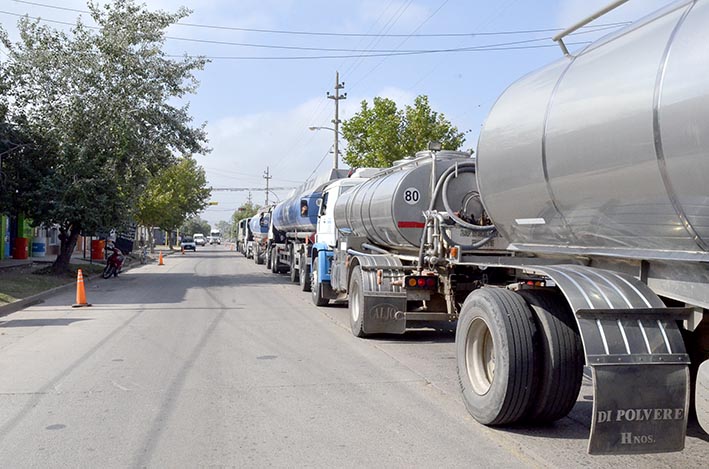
column 272, row 63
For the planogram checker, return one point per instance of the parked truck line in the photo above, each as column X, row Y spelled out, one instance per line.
column 577, row 235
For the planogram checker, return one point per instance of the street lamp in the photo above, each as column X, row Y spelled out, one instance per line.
column 337, row 133
column 325, row 128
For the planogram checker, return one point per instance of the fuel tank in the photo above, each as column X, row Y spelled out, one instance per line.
column 607, row 151
column 298, row 213
column 388, row 208
column 259, row 223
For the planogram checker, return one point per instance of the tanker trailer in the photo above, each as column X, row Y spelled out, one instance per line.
column 582, row 239
column 382, row 236
column 258, row 230
column 293, row 227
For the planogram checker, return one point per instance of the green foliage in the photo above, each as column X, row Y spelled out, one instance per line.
column 178, row 192
column 195, row 224
column 99, row 108
column 378, row 135
column 247, row 210
column 225, row 228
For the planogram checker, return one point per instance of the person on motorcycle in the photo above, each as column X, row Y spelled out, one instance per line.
column 115, row 258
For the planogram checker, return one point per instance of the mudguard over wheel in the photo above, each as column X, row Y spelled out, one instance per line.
column 356, row 303
column 293, row 271
column 560, row 357
column 304, row 276
column 316, row 292
column 495, row 355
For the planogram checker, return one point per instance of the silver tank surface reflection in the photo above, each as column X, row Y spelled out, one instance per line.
column 619, row 168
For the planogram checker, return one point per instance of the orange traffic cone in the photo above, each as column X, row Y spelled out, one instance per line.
column 160, row 262
column 183, row 250
column 80, row 292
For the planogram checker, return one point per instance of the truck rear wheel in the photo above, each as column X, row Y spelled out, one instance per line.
column 316, row 291
column 356, row 303
column 258, row 257
column 495, row 355
column 560, row 357
column 293, row 271
column 304, row 276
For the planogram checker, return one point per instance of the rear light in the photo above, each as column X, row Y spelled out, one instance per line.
column 421, row 282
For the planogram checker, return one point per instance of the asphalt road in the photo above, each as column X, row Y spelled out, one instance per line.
column 211, row 360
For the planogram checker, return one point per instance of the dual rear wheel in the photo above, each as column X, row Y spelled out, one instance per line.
column 519, row 356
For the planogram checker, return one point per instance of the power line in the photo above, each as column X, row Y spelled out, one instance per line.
column 365, row 53
column 327, row 33
column 486, row 48
column 402, row 42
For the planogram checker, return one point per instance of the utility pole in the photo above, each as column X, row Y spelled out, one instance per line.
column 248, row 200
column 336, row 120
column 267, row 176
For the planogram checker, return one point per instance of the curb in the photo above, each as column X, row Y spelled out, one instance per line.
column 34, row 299
column 40, row 297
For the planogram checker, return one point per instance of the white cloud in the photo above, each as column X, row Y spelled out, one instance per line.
column 243, row 146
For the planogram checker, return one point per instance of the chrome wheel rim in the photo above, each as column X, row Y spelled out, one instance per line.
column 480, row 356
column 354, row 305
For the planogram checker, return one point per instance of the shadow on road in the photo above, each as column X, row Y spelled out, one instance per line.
column 40, row 322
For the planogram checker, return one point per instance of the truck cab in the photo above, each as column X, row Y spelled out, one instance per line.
column 327, row 236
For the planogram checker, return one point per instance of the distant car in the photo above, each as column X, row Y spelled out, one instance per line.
column 188, row 244
column 199, row 239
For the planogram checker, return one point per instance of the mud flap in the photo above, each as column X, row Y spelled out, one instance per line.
column 384, row 301
column 629, row 418
column 640, row 366
column 384, row 313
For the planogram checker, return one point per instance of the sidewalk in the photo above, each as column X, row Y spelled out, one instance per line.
column 43, row 293
column 77, row 258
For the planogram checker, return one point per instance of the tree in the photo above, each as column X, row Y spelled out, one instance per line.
column 246, row 210
column 225, row 228
column 99, row 107
column 379, row 135
column 195, row 224
column 172, row 196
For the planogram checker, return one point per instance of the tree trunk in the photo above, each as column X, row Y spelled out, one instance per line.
column 68, row 240
column 151, row 243
column 169, row 239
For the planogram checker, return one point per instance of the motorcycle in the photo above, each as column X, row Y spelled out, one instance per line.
column 114, row 263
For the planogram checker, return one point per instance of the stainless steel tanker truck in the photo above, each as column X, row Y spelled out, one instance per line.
column 292, row 230
column 259, row 226
column 578, row 234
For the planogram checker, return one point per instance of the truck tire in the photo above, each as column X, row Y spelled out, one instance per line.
column 293, row 271
column 258, row 257
column 269, row 259
column 495, row 355
column 304, row 276
column 356, row 303
column 560, row 357
column 316, row 291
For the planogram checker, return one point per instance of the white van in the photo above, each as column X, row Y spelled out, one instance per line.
column 199, row 239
